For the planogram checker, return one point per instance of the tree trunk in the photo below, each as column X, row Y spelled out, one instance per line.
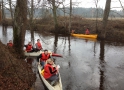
column 11, row 11
column 19, row 27
column 96, row 3
column 70, row 16
column 102, row 65
column 0, row 12
column 3, row 14
column 55, row 16
column 121, row 5
column 31, row 15
column 55, row 42
column 105, row 18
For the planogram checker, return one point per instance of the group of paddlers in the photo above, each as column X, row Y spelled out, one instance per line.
column 29, row 47
column 87, row 32
column 50, row 70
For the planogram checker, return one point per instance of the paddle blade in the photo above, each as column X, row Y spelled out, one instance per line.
column 56, row 55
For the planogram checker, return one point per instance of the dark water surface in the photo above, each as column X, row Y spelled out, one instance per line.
column 86, row 65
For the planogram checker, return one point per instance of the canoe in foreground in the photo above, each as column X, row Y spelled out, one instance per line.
column 58, row 86
column 84, row 35
column 39, row 52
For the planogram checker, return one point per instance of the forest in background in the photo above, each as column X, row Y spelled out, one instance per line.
column 76, row 11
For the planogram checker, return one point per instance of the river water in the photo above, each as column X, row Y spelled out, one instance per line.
column 85, row 65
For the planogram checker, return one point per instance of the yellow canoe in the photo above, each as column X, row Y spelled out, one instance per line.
column 84, row 35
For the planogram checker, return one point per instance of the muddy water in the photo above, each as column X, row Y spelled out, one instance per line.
column 86, row 64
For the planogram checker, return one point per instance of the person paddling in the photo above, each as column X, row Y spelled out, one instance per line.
column 51, row 72
column 87, row 32
column 10, row 44
column 38, row 45
column 43, row 57
column 72, row 31
column 29, row 47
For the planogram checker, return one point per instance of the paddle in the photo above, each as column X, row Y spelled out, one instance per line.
column 53, row 54
column 56, row 55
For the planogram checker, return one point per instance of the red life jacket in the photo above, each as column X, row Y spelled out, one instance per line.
column 29, row 48
column 10, row 44
column 47, row 73
column 45, row 57
column 39, row 45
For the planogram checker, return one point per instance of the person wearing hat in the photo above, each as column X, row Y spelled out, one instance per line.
column 51, row 72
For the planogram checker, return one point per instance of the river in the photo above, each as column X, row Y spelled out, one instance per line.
column 85, row 65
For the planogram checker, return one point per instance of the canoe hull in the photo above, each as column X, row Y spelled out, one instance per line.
column 58, row 86
column 39, row 52
column 84, row 35
column 35, row 53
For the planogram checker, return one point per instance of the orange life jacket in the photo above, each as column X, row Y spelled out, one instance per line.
column 47, row 73
column 45, row 57
column 39, row 45
column 29, row 48
column 10, row 44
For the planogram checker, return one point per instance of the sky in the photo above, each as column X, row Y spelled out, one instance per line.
column 91, row 3
column 101, row 3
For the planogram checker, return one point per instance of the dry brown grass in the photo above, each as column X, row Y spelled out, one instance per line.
column 115, row 26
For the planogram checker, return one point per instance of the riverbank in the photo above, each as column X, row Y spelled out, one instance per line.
column 15, row 73
column 115, row 27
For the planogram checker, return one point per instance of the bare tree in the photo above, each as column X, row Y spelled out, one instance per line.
column 31, row 13
column 3, row 14
column 0, row 12
column 121, row 5
column 54, row 14
column 105, row 18
column 11, row 11
column 55, row 4
column 70, row 16
column 19, row 27
column 96, row 4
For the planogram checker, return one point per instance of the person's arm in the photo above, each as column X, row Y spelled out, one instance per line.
column 7, row 44
column 41, row 46
column 32, row 48
column 49, row 56
column 36, row 46
column 25, row 45
column 52, row 72
column 38, row 58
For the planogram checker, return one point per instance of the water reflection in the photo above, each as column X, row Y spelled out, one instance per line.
column 69, row 45
column 55, row 43
column 32, row 37
column 4, row 30
column 29, row 60
column 94, row 48
column 102, row 67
